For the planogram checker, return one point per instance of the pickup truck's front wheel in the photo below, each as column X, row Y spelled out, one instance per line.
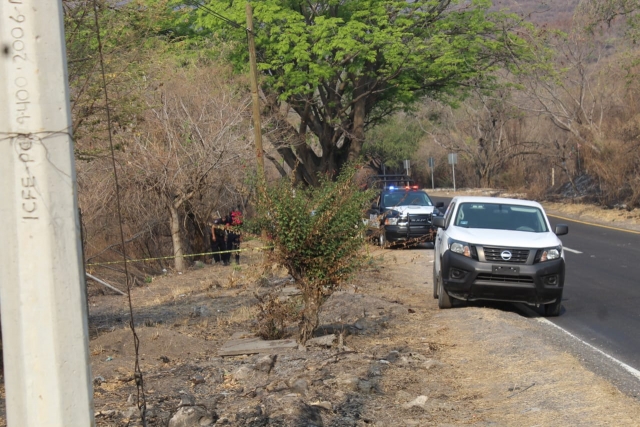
column 382, row 240
column 444, row 300
column 553, row 309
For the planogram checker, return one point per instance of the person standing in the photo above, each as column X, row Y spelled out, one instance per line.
column 234, row 220
column 218, row 243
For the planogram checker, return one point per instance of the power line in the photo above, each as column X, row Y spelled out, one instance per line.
column 207, row 9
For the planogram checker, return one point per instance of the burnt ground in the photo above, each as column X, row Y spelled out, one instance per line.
column 399, row 361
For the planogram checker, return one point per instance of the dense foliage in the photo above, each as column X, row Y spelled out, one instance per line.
column 345, row 66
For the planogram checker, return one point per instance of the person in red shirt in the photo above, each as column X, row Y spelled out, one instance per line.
column 233, row 220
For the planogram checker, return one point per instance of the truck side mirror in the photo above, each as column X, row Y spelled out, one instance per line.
column 440, row 205
column 438, row 221
column 562, row 229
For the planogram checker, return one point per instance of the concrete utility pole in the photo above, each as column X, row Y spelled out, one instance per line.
column 42, row 291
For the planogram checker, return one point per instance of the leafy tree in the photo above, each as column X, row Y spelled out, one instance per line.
column 317, row 235
column 393, row 141
column 343, row 66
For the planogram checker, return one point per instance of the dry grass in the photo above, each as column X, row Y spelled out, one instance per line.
column 616, row 217
column 528, row 375
column 238, row 316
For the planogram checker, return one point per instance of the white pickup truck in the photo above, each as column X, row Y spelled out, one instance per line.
column 490, row 248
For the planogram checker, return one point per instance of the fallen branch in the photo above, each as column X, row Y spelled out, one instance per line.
column 105, row 284
column 521, row 391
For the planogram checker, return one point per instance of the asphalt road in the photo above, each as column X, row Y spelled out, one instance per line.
column 601, row 301
column 602, row 289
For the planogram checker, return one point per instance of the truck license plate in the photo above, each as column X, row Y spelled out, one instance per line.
column 506, row 270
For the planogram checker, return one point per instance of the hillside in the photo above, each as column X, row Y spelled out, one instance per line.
column 555, row 13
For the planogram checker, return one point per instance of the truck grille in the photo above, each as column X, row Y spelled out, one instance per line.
column 518, row 256
column 501, row 278
column 420, row 219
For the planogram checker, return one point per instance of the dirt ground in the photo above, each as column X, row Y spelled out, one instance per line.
column 404, row 363
column 399, row 362
column 397, row 359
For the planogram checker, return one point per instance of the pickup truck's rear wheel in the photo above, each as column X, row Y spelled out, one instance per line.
column 444, row 300
column 553, row 309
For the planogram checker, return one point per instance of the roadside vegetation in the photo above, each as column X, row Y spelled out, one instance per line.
column 317, row 236
column 535, row 98
column 532, row 99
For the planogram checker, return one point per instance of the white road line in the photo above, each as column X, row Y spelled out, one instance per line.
column 571, row 250
column 623, row 365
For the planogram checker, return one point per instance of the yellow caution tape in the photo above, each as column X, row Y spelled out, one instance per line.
column 182, row 256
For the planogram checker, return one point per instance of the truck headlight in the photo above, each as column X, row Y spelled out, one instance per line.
column 392, row 217
column 549, row 254
column 458, row 247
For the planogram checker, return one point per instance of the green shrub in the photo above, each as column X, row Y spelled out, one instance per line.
column 317, row 234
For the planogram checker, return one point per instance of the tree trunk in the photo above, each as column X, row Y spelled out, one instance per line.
column 357, row 138
column 174, row 223
column 309, row 321
column 328, row 165
column 485, row 176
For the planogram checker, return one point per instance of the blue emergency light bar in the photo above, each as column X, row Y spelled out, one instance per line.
column 413, row 187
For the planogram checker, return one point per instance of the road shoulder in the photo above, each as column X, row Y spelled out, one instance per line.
column 502, row 368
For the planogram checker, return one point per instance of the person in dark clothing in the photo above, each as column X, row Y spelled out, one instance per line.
column 226, row 256
column 233, row 244
column 218, row 242
column 234, row 219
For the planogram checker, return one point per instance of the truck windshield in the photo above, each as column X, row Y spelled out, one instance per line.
column 406, row 198
column 499, row 216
